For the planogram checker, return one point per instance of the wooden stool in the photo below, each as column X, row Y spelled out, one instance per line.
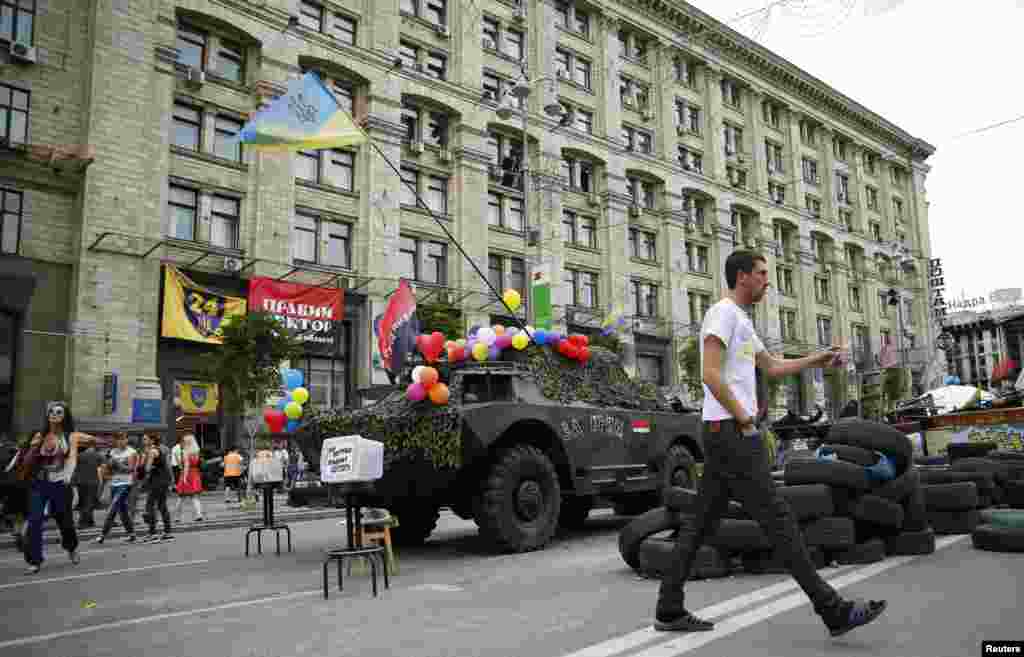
column 380, row 534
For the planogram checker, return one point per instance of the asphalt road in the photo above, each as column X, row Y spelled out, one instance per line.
column 200, row 596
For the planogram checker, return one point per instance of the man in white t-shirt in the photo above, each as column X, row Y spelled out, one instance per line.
column 735, row 463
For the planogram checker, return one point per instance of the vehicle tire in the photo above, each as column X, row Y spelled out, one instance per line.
column 984, row 501
column 1013, row 493
column 931, row 460
column 655, row 556
column 911, row 543
column 951, row 497
column 1002, row 518
column 830, row 533
column 998, row 539
column 808, row 501
column 1000, row 469
column 1006, row 455
column 685, row 500
column 874, row 436
column 879, row 511
column 770, row 562
column 843, row 500
column 575, row 510
column 739, row 536
column 642, row 527
column 983, row 480
column 957, row 451
column 852, row 454
column 677, row 468
column 415, row 523
column 915, row 514
column 871, row 551
column 520, row 499
column 633, row 504
column 953, row 522
column 899, row 488
column 832, row 473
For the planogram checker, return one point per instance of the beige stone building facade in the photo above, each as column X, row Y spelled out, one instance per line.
column 681, row 140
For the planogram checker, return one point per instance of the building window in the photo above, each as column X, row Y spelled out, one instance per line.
column 897, row 209
column 345, row 93
column 506, row 272
column 785, row 276
column 870, row 163
column 327, row 382
column 437, row 66
column 732, row 139
column 876, row 231
column 773, row 157
column 821, row 290
column 645, row 299
column 436, row 196
column 813, row 205
column 409, row 54
column 311, row 15
column 344, row 29
column 684, row 71
column 224, row 222
column 17, row 18
column 731, row 93
column 691, row 160
column 230, row 61
column 855, row 303
column 771, row 114
column 649, row 368
column 335, row 168
column 422, row 260
column 512, row 44
column 219, row 56
column 810, row 171
column 633, row 46
column 311, row 230
column 699, row 304
column 183, row 203
column 11, row 208
column 807, row 133
column 787, row 324
column 187, row 123
column 425, row 126
column 569, row 17
column 896, row 176
column 687, row 117
column 505, row 211
column 14, row 106
column 582, row 287
column 191, row 45
column 569, row 65
column 642, row 192
column 643, row 244
column 225, row 138
column 634, row 94
column 583, row 121
column 579, row 230
column 433, row 11
column 824, row 331
column 839, row 148
column 697, row 258
column 861, row 341
column 636, row 139
column 777, row 192
column 579, row 174
column 842, row 188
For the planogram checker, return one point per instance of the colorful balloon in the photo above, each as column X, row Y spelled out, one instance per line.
column 486, row 335
column 275, row 420
column 461, row 342
column 300, row 395
column 498, row 329
column 519, row 341
column 416, row 372
column 439, row 394
column 503, row 341
column 512, row 299
column 480, row 351
column 293, row 379
column 293, row 410
column 540, row 336
column 415, row 392
column 493, row 352
column 428, row 377
column 291, row 426
column 584, row 354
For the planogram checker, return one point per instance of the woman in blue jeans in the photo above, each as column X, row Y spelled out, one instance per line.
column 123, row 461
column 52, row 457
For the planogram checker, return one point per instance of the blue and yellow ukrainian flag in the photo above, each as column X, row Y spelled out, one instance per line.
column 306, row 117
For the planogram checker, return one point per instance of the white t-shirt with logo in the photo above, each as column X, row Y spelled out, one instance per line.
column 733, row 327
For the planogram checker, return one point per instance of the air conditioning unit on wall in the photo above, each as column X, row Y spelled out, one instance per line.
column 232, row 264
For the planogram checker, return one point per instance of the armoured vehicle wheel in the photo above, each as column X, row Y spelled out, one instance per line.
column 575, row 511
column 415, row 523
column 677, row 468
column 520, row 499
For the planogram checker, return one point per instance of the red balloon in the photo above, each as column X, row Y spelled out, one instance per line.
column 584, row 341
column 275, row 419
column 430, row 345
column 584, row 354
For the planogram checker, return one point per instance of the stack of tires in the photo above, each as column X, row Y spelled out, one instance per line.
column 997, row 530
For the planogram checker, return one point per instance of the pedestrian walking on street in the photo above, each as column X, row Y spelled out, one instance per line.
column 158, row 481
column 233, row 473
column 190, row 483
column 51, row 459
column 293, row 467
column 735, row 463
column 122, row 463
column 87, row 480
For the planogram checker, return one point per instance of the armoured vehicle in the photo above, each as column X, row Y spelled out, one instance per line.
column 522, row 446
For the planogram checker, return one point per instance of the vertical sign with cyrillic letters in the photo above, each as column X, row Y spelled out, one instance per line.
column 937, row 284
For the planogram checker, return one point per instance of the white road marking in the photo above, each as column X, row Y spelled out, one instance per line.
column 42, row 638
column 690, row 642
column 32, row 581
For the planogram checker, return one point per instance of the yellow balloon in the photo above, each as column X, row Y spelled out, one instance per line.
column 293, row 410
column 300, row 395
column 512, row 299
column 519, row 341
column 480, row 351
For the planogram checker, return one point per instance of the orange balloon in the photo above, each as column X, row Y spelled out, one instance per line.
column 439, row 394
column 428, row 377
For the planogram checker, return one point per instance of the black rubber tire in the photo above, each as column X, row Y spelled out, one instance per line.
column 931, row 460
column 642, row 527
column 770, row 562
column 1001, row 470
column 871, row 551
column 832, row 533
column 998, row 539
column 808, row 501
column 677, row 468
column 1013, row 493
column 832, row 473
column 951, row 497
column 1006, row 455
column 957, row 451
column 899, row 488
column 853, row 454
column 739, row 536
column 879, row 511
column 843, row 500
column 953, row 522
column 984, row 501
column 915, row 514
column 911, row 543
column 685, row 500
column 415, row 523
column 575, row 511
column 633, row 504
column 874, row 436
column 983, row 480
column 1002, row 518
column 655, row 556
column 502, row 524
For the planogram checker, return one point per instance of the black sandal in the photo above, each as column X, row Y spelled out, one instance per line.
column 859, row 612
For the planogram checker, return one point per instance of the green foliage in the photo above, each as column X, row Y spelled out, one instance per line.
column 689, row 365
column 894, row 385
column 443, row 317
column 611, row 342
column 246, row 365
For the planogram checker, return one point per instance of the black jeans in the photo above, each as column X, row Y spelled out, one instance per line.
column 736, row 466
column 157, row 501
column 87, row 494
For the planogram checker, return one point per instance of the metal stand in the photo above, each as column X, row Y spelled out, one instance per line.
column 268, row 524
column 355, row 550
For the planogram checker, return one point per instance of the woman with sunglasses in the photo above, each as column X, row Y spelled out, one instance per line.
column 52, row 457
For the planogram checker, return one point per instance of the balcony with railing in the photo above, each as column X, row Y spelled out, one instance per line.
column 511, row 178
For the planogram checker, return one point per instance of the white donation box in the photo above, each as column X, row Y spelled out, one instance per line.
column 351, row 458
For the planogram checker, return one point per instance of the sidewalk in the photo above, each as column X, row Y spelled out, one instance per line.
column 216, row 515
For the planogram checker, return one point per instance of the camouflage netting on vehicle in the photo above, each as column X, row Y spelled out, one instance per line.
column 412, row 430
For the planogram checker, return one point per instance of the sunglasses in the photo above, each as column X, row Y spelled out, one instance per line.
column 56, row 411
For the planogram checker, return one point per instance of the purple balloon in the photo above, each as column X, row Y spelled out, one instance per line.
column 493, row 352
column 472, row 330
column 503, row 341
column 416, row 392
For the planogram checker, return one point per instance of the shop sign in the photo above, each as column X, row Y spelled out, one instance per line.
column 313, row 312
column 937, row 283
column 109, row 393
column 193, row 312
